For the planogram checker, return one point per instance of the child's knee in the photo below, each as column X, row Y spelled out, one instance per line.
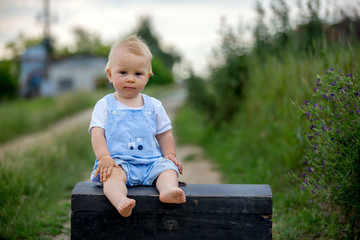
column 117, row 173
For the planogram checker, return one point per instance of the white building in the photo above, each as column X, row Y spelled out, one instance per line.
column 75, row 73
column 66, row 74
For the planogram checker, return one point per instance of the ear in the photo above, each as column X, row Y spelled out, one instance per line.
column 108, row 71
column 148, row 77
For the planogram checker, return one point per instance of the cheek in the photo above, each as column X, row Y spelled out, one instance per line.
column 116, row 82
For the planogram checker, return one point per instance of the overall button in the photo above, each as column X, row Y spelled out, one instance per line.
column 114, row 112
column 149, row 113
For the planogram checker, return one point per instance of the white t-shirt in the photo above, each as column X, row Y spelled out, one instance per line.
column 101, row 112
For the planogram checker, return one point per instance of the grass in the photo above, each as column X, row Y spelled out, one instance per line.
column 33, row 183
column 23, row 116
column 264, row 143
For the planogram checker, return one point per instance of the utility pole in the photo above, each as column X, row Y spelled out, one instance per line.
column 47, row 19
column 46, row 15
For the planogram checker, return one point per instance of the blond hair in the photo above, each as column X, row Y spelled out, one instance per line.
column 134, row 45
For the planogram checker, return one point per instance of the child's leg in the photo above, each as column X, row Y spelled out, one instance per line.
column 115, row 190
column 169, row 191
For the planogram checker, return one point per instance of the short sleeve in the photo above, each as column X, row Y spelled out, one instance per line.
column 163, row 122
column 99, row 115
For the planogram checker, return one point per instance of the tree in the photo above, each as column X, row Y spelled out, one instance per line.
column 163, row 60
column 86, row 43
column 18, row 46
column 281, row 13
column 261, row 32
column 144, row 30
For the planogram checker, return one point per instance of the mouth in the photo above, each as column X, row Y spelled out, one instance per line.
column 128, row 87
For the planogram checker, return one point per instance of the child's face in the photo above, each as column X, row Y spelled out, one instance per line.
column 128, row 73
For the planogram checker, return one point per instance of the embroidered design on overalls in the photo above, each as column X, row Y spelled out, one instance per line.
column 136, row 143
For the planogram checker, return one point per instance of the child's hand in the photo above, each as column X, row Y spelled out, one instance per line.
column 105, row 167
column 172, row 157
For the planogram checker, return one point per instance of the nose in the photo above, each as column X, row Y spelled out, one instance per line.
column 130, row 79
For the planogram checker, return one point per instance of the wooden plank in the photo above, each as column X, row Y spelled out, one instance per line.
column 225, row 198
column 212, row 211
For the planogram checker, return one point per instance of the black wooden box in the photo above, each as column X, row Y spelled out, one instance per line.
column 211, row 211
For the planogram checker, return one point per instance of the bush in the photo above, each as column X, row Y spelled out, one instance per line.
column 333, row 152
column 8, row 80
column 162, row 75
column 219, row 96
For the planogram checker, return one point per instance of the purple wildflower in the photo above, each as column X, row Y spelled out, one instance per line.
column 311, row 127
column 333, row 83
column 318, row 83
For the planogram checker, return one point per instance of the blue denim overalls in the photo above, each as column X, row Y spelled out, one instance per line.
column 130, row 136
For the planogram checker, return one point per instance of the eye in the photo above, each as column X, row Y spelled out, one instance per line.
column 122, row 72
column 138, row 74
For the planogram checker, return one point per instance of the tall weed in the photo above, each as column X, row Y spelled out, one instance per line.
column 333, row 147
column 34, row 183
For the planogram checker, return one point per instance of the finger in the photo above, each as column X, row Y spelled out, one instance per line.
column 181, row 167
column 109, row 171
column 178, row 163
column 101, row 176
column 96, row 172
column 104, row 174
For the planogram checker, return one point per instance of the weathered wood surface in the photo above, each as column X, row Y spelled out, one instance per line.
column 212, row 211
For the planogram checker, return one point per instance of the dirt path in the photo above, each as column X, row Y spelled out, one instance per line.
column 27, row 141
column 191, row 156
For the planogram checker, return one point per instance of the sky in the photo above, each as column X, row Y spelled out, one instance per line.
column 189, row 26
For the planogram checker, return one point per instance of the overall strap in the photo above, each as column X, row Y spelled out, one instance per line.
column 111, row 101
column 147, row 102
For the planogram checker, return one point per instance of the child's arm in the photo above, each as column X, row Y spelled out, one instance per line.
column 167, row 145
column 106, row 163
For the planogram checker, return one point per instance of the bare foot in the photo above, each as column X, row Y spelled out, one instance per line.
column 174, row 195
column 126, row 206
